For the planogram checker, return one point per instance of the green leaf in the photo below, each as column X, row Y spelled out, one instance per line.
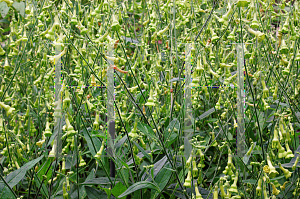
column 176, row 79
column 142, row 150
column 6, row 193
column 171, row 139
column 3, row 9
column 157, row 167
column 118, row 189
column 207, row 113
column 4, row 21
column 94, row 193
column 38, row 182
column 138, row 186
column 120, row 142
column 93, row 143
column 19, row 6
column 173, row 124
column 161, row 179
column 82, row 193
column 277, row 178
column 250, row 181
column 16, row 176
column 178, row 192
column 44, row 169
column 91, row 175
column 97, row 181
column 146, row 130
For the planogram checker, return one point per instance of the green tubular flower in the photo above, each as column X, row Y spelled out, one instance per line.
column 285, row 28
column 115, row 26
column 275, row 141
column 150, row 101
column 281, row 126
column 9, row 110
column 275, row 92
column 275, row 191
column 214, row 37
column 67, row 100
column 281, row 151
column 65, row 193
column 40, row 143
column 82, row 162
column 254, row 23
column 223, row 195
column 47, row 131
column 143, row 143
column 133, row 132
column 231, row 35
column 63, row 169
column 2, row 52
column 74, row 18
column 283, row 186
column 198, row 195
column 289, row 153
column 161, row 32
column 250, row 149
column 99, row 153
column 52, row 153
column 259, row 35
column 215, row 194
column 266, row 105
column 204, row 88
column 96, row 122
column 187, row 182
column 68, row 183
column 273, row 171
column 286, row 172
column 258, row 188
column 283, row 47
column 189, row 160
column 229, row 163
column 224, row 18
column 90, row 105
column 295, row 163
column 195, row 170
column 233, row 187
column 218, row 104
column 265, row 190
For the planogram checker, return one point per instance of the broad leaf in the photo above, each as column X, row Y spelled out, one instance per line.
column 207, row 113
column 3, row 9
column 142, row 150
column 138, row 186
column 82, row 193
column 97, row 181
column 15, row 177
column 19, row 6
column 118, row 189
column 93, row 143
column 157, row 167
column 94, row 193
column 146, row 130
column 161, row 179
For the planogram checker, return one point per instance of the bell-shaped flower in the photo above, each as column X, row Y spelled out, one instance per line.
column 286, row 172
column 273, row 171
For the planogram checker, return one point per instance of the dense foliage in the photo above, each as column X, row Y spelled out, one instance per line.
column 156, row 152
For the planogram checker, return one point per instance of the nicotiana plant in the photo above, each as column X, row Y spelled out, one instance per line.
column 155, row 102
